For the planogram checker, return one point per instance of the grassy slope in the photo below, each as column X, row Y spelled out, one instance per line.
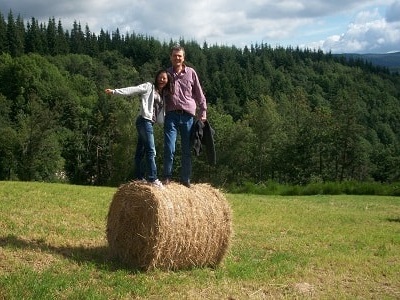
column 53, row 246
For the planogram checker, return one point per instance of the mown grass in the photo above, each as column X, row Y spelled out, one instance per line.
column 53, row 246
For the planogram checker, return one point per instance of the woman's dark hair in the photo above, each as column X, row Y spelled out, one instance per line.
column 169, row 87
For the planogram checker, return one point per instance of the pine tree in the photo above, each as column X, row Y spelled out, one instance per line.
column 15, row 35
column 51, row 36
column 77, row 39
column 33, row 40
column 3, row 34
column 104, row 41
column 91, row 45
column 61, row 46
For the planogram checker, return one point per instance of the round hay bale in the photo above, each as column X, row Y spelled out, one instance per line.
column 171, row 228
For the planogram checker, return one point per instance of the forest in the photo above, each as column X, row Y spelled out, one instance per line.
column 287, row 115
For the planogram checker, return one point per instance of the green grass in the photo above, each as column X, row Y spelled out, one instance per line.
column 53, row 246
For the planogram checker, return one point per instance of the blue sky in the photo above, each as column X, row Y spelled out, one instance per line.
column 341, row 26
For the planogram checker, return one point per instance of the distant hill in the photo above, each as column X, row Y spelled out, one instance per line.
column 388, row 60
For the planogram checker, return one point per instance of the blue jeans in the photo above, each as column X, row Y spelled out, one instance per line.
column 178, row 122
column 145, row 148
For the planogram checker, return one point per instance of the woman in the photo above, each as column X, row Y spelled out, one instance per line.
column 152, row 97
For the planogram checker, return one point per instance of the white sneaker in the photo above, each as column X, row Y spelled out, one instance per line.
column 157, row 183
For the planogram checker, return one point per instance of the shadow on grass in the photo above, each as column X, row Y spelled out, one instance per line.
column 393, row 219
column 99, row 256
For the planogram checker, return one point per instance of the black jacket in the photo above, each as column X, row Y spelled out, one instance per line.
column 203, row 135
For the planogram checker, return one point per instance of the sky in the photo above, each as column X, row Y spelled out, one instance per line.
column 341, row 26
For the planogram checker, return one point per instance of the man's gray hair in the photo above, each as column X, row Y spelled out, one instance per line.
column 178, row 47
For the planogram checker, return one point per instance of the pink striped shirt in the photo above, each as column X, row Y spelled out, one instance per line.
column 188, row 94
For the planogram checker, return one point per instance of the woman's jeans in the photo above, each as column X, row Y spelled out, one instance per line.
column 178, row 121
column 145, row 148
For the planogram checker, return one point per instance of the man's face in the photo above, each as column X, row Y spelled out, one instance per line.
column 177, row 58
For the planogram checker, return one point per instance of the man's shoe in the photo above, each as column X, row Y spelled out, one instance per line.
column 187, row 184
column 167, row 181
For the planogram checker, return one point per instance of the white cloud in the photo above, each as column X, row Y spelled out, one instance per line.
column 370, row 32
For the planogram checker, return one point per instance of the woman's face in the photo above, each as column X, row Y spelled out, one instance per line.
column 162, row 80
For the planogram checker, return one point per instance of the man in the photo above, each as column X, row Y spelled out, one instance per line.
column 187, row 101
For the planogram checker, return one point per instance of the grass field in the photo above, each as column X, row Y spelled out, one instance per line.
column 53, row 246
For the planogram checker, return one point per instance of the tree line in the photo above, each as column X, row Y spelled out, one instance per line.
column 280, row 114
